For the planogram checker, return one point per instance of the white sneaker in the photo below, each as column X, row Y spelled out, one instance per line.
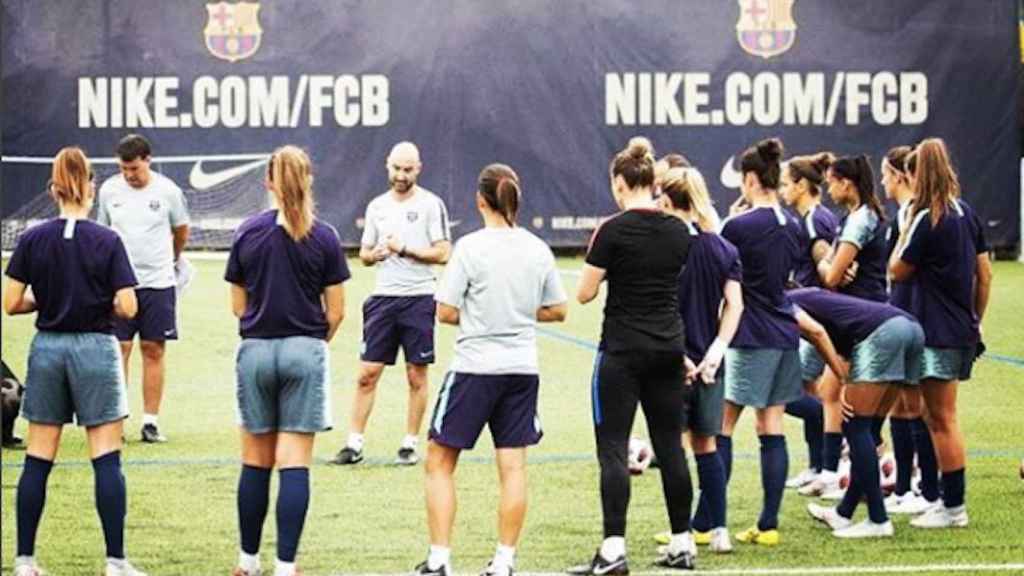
column 866, row 529
column 125, row 568
column 942, row 517
column 26, row 568
column 826, row 481
column 834, row 495
column 908, row 503
column 804, row 478
column 829, row 516
column 720, row 541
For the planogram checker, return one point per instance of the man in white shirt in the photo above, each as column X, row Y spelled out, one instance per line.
column 406, row 231
column 149, row 211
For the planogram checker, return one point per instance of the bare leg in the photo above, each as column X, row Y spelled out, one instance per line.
column 440, row 492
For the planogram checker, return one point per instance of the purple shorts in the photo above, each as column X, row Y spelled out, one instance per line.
column 156, row 320
column 507, row 403
column 393, row 321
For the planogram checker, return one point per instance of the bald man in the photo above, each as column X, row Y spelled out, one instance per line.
column 406, row 231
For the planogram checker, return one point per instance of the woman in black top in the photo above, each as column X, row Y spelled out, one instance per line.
column 640, row 252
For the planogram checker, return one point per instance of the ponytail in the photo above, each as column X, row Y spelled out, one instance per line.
column 291, row 178
column 686, row 189
column 71, row 177
column 937, row 185
column 857, row 169
column 499, row 186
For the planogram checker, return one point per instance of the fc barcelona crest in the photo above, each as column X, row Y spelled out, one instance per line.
column 233, row 30
column 766, row 27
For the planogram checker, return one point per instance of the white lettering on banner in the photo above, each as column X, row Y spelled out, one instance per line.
column 234, row 101
column 576, row 222
column 767, row 99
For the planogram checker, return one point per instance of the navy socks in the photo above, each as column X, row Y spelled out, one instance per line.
column 953, row 488
column 711, row 507
column 903, row 448
column 927, row 462
column 30, row 501
column 724, row 444
column 808, row 408
column 832, row 450
column 864, row 471
column 774, row 467
column 253, row 501
column 292, row 503
column 111, row 501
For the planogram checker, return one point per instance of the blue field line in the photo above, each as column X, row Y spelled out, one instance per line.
column 389, row 463
column 587, row 344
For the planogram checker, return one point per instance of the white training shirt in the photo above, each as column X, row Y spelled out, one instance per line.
column 418, row 221
column 145, row 217
column 498, row 278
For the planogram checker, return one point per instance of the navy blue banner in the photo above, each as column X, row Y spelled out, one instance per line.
column 552, row 88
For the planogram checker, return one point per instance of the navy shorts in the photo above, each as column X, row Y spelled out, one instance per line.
column 74, row 374
column 283, row 385
column 507, row 403
column 393, row 321
column 156, row 320
column 707, row 402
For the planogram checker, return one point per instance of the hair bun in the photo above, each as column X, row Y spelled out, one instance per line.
column 640, row 147
column 770, row 150
column 822, row 161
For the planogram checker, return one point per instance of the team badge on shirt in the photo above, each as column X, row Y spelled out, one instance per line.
column 154, row 205
column 412, row 216
column 233, row 30
column 766, row 27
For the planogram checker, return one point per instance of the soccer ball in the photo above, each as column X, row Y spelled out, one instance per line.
column 640, row 454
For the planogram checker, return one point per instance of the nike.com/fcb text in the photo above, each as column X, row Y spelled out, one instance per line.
column 767, row 99
column 234, row 101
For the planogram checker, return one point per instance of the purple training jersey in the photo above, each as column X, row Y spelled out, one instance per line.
column 945, row 261
column 712, row 262
column 847, row 319
column 768, row 241
column 74, row 268
column 819, row 224
column 284, row 279
column 901, row 294
column 865, row 230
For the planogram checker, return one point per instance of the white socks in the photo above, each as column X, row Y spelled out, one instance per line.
column 149, row 419
column 680, row 543
column 355, row 441
column 410, row 441
column 439, row 556
column 250, row 563
column 613, row 547
column 504, row 559
column 284, row 568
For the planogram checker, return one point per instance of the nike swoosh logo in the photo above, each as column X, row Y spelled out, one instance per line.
column 454, row 223
column 731, row 178
column 202, row 181
column 599, row 570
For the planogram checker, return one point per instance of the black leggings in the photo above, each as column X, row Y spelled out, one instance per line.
column 656, row 381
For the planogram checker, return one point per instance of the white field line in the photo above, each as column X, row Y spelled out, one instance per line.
column 809, row 570
column 155, row 159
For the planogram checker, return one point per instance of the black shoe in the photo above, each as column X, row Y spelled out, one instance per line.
column 151, row 434
column 348, row 455
column 489, row 571
column 654, row 462
column 13, row 442
column 601, row 567
column 424, row 569
column 407, row 456
column 681, row 561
